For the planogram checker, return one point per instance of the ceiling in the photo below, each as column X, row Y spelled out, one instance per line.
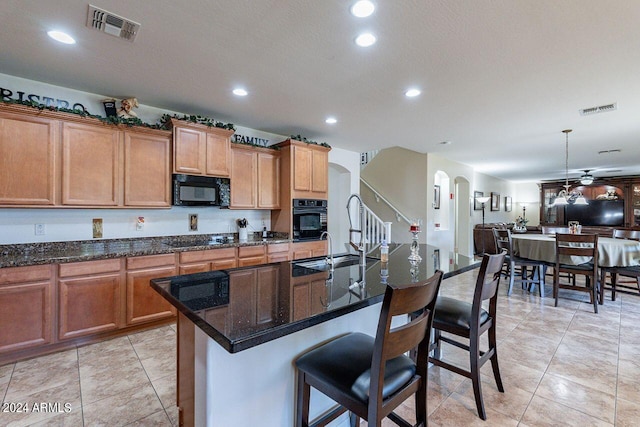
column 500, row 80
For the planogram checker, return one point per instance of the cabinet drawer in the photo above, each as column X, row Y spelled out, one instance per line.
column 25, row 274
column 136, row 263
column 279, row 257
column 89, row 267
column 208, row 255
column 250, row 251
column 277, row 248
column 247, row 261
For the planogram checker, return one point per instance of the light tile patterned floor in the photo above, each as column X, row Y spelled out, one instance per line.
column 561, row 366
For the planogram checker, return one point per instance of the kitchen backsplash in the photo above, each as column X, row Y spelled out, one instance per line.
column 21, row 225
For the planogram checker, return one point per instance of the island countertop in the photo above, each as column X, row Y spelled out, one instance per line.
column 245, row 307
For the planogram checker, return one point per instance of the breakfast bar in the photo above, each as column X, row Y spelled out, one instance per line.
column 240, row 330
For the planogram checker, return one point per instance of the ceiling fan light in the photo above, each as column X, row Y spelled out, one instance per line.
column 586, row 179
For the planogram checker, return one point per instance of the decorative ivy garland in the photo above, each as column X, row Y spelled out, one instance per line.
column 308, row 141
column 164, row 120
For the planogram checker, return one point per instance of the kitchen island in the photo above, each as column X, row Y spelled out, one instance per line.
column 240, row 330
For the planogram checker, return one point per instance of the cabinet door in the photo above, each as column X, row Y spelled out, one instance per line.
column 242, row 298
column 26, row 307
column 147, row 170
column 28, row 156
column 143, row 303
column 89, row 304
column 268, row 181
column 244, row 175
column 267, row 295
column 302, row 168
column 320, row 170
column 189, row 151
column 218, row 155
column 90, row 165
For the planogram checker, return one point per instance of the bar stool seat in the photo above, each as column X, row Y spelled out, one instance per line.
column 346, row 362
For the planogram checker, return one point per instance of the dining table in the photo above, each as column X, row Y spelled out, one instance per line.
column 611, row 252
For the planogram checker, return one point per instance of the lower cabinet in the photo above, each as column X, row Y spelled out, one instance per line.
column 309, row 295
column 302, row 250
column 253, row 297
column 207, row 260
column 143, row 303
column 90, row 296
column 27, row 302
column 251, row 255
column 278, row 252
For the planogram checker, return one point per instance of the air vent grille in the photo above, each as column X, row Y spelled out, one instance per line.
column 112, row 24
column 599, row 109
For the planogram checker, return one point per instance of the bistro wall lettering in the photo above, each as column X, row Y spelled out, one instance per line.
column 251, row 140
column 8, row 95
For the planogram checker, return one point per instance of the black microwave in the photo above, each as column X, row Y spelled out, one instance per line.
column 193, row 190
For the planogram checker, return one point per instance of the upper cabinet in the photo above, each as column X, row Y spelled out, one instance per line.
column 308, row 169
column 255, row 178
column 51, row 159
column 28, row 159
column 200, row 149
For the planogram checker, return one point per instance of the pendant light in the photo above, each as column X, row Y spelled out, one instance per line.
column 565, row 196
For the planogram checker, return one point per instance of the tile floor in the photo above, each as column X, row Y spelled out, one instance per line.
column 561, row 366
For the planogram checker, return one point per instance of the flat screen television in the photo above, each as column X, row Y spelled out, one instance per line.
column 597, row 212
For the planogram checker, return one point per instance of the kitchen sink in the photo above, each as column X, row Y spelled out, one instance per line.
column 338, row 262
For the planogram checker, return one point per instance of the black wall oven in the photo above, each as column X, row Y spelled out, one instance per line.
column 309, row 219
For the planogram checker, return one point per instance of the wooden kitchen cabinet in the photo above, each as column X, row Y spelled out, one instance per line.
column 251, row 255
column 143, row 303
column 255, row 178
column 26, row 307
column 200, row 149
column 147, row 170
column 90, row 165
column 308, row 295
column 90, row 297
column 300, row 250
column 253, row 296
column 308, row 169
column 278, row 252
column 28, row 159
column 207, row 260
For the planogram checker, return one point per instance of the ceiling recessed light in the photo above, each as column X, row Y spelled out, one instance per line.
column 240, row 92
column 362, row 8
column 365, row 40
column 61, row 37
column 331, row 120
column 412, row 92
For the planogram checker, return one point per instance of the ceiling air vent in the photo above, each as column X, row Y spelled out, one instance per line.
column 599, row 109
column 109, row 23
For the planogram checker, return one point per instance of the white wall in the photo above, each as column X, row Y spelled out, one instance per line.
column 344, row 180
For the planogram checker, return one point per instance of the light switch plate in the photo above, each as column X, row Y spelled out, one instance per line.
column 97, row 228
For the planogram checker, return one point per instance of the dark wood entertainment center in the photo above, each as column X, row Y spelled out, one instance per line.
column 619, row 188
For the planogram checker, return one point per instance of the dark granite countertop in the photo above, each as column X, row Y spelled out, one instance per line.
column 223, row 304
column 18, row 255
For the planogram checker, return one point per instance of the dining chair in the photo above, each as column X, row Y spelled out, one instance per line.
column 629, row 272
column 577, row 245
column 370, row 376
column 536, row 277
column 469, row 320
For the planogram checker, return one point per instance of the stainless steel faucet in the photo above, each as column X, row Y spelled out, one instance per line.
column 330, row 251
column 360, row 247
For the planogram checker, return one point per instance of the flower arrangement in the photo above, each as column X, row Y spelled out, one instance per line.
column 521, row 221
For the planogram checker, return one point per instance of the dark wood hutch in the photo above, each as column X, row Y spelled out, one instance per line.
column 624, row 188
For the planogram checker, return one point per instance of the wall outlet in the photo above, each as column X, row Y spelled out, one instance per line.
column 97, row 228
column 39, row 230
column 140, row 223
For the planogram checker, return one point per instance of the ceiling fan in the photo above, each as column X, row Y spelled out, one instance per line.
column 587, row 178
